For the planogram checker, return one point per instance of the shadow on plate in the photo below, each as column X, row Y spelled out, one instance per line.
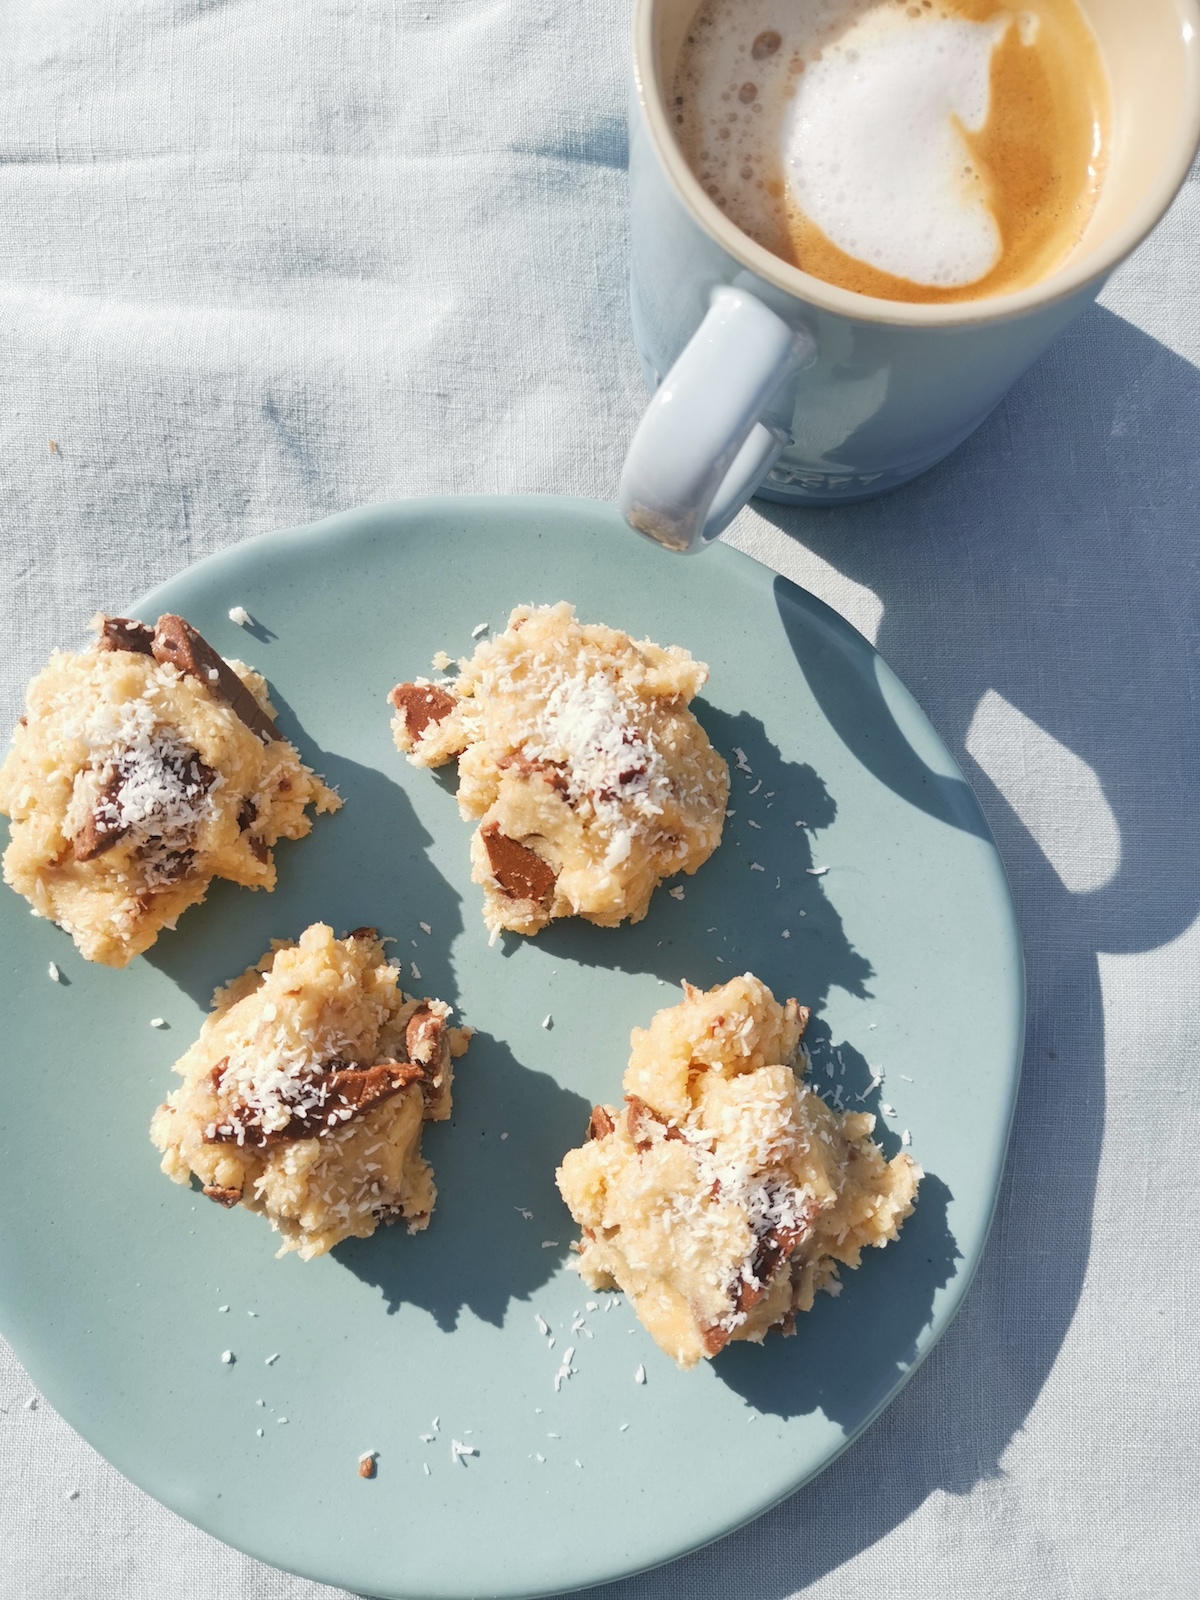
column 781, row 1377
column 507, row 1135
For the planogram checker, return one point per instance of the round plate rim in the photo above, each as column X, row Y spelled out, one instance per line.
column 346, row 525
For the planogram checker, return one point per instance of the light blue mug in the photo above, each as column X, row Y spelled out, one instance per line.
column 769, row 381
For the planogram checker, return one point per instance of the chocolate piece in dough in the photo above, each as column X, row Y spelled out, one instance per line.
column 119, row 633
column 183, row 775
column 176, row 642
column 600, row 1124
column 342, row 1091
column 420, row 704
column 521, row 874
column 103, row 828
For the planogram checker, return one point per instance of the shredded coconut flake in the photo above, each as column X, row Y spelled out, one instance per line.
column 142, row 780
column 587, row 730
column 640, row 1375
column 55, row 974
column 240, row 615
column 563, row 1373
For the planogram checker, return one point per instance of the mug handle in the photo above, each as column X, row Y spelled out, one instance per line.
column 701, row 450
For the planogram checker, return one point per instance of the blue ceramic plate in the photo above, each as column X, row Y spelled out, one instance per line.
column 120, row 1290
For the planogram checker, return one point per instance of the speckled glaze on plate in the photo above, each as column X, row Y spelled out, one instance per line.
column 113, row 1279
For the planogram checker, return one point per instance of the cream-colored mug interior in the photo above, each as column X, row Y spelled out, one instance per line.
column 1151, row 50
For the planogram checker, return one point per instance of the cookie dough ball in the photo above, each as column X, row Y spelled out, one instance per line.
column 591, row 779
column 143, row 768
column 305, row 1095
column 724, row 1193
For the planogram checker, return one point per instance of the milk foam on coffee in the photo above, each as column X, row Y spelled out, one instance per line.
column 873, row 149
column 914, row 149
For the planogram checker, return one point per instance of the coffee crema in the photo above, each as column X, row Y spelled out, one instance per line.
column 920, row 150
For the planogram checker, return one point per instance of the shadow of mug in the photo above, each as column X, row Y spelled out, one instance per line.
column 1045, row 562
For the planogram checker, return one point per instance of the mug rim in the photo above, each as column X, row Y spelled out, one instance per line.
column 1062, row 284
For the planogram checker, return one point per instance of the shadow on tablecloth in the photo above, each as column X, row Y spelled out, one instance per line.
column 1051, row 561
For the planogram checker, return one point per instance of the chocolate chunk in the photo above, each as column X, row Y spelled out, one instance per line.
column 119, row 633
column 423, row 1037
column 103, row 827
column 715, row 1338
column 420, row 704
column 168, row 868
column 552, row 772
column 520, row 873
column 638, row 1119
column 176, row 642
column 772, row 1250
column 765, row 44
column 223, row 1197
column 363, row 933
column 258, row 849
column 347, row 1091
column 247, row 815
column 600, row 1124
column 358, row 1088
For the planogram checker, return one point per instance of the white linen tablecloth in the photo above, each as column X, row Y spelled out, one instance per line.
column 263, row 261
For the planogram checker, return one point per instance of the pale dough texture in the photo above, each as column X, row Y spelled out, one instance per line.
column 724, row 1193
column 114, row 739
column 591, row 779
column 305, row 1095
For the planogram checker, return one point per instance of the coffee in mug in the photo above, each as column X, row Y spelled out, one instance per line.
column 919, row 150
